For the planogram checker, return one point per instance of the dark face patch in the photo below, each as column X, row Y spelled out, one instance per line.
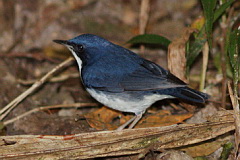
column 79, row 49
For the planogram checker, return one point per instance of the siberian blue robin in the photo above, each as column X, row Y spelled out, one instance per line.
column 122, row 80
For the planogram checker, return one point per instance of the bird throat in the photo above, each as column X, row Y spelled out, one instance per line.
column 79, row 61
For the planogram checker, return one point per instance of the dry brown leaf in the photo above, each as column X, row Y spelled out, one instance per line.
column 124, row 119
column 173, row 155
column 203, row 149
column 162, row 118
column 177, row 55
column 102, row 118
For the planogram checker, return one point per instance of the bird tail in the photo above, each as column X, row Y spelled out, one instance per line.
column 190, row 95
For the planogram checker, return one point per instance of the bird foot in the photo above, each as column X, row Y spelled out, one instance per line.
column 133, row 122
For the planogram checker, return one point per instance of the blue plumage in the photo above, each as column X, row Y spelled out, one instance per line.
column 122, row 80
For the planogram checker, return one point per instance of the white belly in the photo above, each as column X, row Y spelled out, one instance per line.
column 126, row 104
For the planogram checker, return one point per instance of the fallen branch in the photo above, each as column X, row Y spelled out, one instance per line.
column 114, row 143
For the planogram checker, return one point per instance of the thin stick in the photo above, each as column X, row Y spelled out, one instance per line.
column 33, row 88
column 143, row 19
column 59, row 78
column 75, row 105
column 204, row 66
column 175, row 106
column 144, row 15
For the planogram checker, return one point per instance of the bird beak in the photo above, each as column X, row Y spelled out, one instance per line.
column 63, row 42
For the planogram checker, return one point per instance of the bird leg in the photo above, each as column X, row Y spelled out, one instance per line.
column 127, row 123
column 137, row 118
column 133, row 122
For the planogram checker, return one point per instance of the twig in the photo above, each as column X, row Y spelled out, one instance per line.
column 34, row 87
column 219, row 102
column 14, row 45
column 143, row 19
column 53, row 79
column 175, row 106
column 204, row 66
column 75, row 105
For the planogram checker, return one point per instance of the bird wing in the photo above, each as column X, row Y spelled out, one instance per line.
column 148, row 76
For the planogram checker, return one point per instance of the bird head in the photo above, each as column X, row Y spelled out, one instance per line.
column 86, row 47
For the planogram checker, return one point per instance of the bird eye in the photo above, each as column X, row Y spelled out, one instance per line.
column 80, row 48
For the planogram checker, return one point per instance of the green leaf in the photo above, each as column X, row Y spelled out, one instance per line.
column 233, row 48
column 211, row 15
column 233, row 53
column 195, row 47
column 208, row 10
column 227, row 148
column 222, row 9
column 150, row 39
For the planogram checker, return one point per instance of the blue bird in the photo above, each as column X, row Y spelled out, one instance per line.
column 122, row 80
